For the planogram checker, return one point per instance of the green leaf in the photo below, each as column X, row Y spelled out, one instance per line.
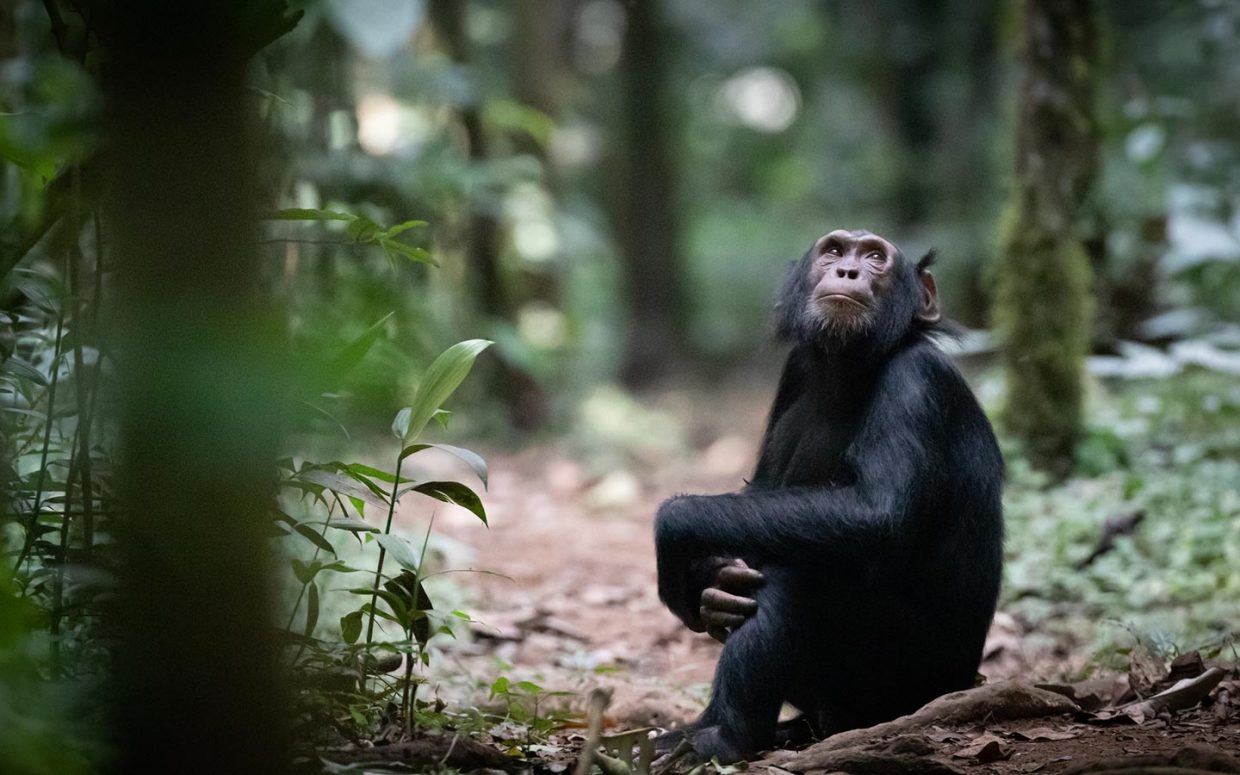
column 352, row 525
column 269, row 95
column 400, row 611
column 473, row 459
column 307, row 532
column 444, row 376
column 399, row 549
column 312, row 610
column 308, row 214
column 529, row 687
column 512, row 115
column 403, row 227
column 363, row 229
column 23, row 370
column 409, row 587
column 344, row 567
column 378, row 611
column 344, row 484
column 353, row 353
column 442, row 416
column 351, row 626
column 360, row 470
column 305, row 572
column 400, row 424
column 455, row 493
column 420, row 255
column 500, row 686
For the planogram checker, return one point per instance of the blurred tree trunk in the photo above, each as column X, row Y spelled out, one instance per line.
column 526, row 402
column 1042, row 305
column 196, row 677
column 540, row 46
column 646, row 221
column 902, row 77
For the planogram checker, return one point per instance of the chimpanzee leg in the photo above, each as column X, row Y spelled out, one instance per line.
column 759, row 662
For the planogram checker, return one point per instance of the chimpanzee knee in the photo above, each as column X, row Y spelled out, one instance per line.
column 759, row 664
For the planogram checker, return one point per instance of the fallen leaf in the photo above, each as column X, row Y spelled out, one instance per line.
column 985, row 749
column 1144, row 670
column 1043, row 734
column 940, row 735
column 1122, row 691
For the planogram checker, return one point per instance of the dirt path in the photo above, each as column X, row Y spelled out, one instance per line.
column 573, row 536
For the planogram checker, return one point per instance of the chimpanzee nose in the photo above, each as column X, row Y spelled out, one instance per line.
column 849, row 274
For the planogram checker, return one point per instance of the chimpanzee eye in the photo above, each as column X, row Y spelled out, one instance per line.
column 875, row 256
column 835, row 250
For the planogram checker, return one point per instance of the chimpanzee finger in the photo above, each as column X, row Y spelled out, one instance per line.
column 720, row 619
column 714, row 599
column 739, row 578
column 718, row 633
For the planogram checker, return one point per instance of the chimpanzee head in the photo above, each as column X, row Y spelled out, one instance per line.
column 856, row 288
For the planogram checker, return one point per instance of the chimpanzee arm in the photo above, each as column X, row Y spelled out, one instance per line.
column 791, row 384
column 898, row 446
column 682, row 591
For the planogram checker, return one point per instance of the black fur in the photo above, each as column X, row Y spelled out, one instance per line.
column 874, row 512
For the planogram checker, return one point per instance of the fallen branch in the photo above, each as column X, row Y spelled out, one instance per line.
column 1005, row 701
column 1182, row 696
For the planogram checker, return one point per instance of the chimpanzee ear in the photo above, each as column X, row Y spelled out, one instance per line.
column 928, row 312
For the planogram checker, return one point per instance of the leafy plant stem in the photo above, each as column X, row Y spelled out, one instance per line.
column 58, row 582
column 301, row 648
column 85, row 399
column 47, row 444
column 387, row 529
column 411, row 693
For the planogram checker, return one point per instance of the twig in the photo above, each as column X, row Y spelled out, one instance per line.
column 598, row 702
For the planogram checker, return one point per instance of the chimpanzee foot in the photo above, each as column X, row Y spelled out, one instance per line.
column 667, row 742
column 712, row 743
column 795, row 733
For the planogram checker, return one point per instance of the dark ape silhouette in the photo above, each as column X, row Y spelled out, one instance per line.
column 873, row 515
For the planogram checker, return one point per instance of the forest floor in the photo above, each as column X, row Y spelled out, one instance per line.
column 571, row 604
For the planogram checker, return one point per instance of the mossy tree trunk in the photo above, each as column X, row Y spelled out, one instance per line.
column 1042, row 304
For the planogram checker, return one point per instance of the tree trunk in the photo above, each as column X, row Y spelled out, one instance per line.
column 196, row 676
column 524, row 397
column 1042, row 306
column 647, row 223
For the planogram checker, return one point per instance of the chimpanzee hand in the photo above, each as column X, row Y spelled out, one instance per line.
column 726, row 603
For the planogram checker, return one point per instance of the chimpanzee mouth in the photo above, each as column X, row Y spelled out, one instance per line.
column 842, row 297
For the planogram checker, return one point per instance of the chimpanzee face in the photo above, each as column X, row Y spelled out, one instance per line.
column 855, row 291
column 850, row 274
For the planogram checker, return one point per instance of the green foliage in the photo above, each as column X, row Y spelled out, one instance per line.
column 399, row 599
column 361, row 230
column 526, row 712
column 1168, row 449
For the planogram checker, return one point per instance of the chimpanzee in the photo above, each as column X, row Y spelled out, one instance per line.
column 872, row 527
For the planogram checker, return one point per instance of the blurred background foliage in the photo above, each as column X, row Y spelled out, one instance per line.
column 610, row 193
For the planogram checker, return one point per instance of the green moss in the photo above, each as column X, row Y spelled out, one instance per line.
column 1042, row 314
